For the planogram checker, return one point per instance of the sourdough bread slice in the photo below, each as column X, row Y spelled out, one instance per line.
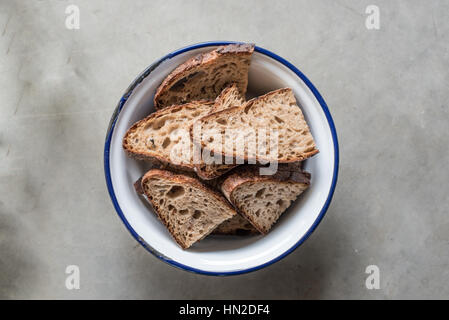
column 262, row 199
column 270, row 128
column 163, row 137
column 206, row 75
column 188, row 208
column 237, row 225
column 206, row 170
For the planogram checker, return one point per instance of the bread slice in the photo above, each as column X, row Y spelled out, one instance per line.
column 206, row 75
column 188, row 209
column 163, row 137
column 229, row 97
column 274, row 116
column 237, row 225
column 261, row 199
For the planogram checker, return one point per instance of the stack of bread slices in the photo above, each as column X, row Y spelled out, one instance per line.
column 199, row 182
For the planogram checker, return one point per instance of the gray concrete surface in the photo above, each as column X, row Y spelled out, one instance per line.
column 387, row 90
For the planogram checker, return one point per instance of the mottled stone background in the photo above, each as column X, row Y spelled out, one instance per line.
column 387, row 90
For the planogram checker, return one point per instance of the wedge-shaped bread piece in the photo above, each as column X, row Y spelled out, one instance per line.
column 237, row 225
column 188, row 209
column 269, row 128
column 261, row 199
column 163, row 137
column 229, row 97
column 206, row 75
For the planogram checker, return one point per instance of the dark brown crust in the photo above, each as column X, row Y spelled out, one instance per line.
column 234, row 110
column 153, row 157
column 185, row 180
column 248, row 175
column 138, row 186
column 200, row 60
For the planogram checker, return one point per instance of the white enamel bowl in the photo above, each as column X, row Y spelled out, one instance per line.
column 223, row 255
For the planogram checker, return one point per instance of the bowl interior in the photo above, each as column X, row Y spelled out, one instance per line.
column 223, row 254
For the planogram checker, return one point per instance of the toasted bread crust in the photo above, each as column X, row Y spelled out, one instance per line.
column 248, row 175
column 185, row 180
column 200, row 60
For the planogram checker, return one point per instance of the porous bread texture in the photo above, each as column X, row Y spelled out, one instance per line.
column 263, row 203
column 229, row 97
column 272, row 124
column 163, row 137
column 188, row 209
column 237, row 225
column 262, row 199
column 206, row 75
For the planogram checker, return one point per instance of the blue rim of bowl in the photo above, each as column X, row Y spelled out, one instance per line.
column 120, row 106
